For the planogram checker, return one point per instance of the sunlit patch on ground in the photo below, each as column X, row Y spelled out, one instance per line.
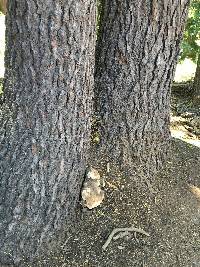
column 195, row 191
column 185, row 118
column 182, row 136
column 185, row 71
column 180, row 129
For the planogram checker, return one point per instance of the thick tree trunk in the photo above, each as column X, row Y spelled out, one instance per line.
column 44, row 142
column 196, row 85
column 136, row 56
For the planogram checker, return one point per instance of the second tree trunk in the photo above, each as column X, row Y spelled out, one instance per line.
column 136, row 56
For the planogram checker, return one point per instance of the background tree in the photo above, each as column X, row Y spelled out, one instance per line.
column 196, row 85
column 45, row 121
column 136, row 56
column 190, row 45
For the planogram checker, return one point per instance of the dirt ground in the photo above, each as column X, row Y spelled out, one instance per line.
column 171, row 216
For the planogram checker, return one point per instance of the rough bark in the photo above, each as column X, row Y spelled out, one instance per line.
column 196, row 85
column 136, row 56
column 45, row 121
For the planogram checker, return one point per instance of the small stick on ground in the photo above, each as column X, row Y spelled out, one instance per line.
column 136, row 237
column 116, row 230
column 108, row 167
column 120, row 235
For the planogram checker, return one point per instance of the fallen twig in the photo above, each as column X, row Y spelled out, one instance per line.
column 108, row 167
column 120, row 235
column 116, row 230
column 136, row 237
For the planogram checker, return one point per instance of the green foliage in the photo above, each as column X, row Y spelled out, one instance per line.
column 191, row 40
column 100, row 10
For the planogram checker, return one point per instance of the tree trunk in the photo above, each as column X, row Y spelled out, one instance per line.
column 45, row 129
column 196, row 85
column 136, row 56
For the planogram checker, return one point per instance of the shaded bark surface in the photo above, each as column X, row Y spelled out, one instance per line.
column 196, row 85
column 45, row 121
column 136, row 56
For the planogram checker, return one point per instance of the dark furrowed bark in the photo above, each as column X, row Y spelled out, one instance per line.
column 136, row 56
column 44, row 143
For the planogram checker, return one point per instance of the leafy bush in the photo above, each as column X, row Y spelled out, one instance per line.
column 191, row 41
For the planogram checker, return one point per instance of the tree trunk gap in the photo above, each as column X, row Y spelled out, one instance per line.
column 136, row 55
column 196, row 85
column 45, row 121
